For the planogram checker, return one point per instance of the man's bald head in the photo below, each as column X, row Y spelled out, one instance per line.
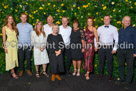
column 126, row 21
column 50, row 20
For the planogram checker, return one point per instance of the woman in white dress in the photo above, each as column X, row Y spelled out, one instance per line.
column 38, row 39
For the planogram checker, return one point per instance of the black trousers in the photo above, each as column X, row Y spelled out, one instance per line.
column 24, row 53
column 67, row 53
column 127, row 55
column 105, row 54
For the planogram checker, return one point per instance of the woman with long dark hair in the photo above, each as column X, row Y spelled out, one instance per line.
column 10, row 44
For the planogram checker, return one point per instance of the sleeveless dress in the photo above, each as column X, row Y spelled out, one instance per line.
column 76, row 39
column 11, row 44
column 89, row 51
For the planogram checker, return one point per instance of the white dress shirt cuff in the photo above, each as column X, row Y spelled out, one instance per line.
column 115, row 48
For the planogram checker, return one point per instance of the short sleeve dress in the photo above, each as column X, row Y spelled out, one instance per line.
column 76, row 44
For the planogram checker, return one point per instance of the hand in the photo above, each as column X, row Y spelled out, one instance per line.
column 41, row 49
column 113, row 52
column 96, row 49
column 134, row 55
column 6, row 50
column 58, row 52
column 83, row 50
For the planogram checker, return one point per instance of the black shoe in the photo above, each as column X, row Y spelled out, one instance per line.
column 100, row 76
column 120, row 82
column 127, row 86
column 62, row 74
column 109, row 78
column 68, row 73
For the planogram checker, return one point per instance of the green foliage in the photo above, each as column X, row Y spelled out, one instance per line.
column 39, row 10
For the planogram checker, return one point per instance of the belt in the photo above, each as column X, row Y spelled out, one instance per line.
column 106, row 45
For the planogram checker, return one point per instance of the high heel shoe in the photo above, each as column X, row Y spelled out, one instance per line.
column 87, row 76
column 44, row 73
column 37, row 74
column 78, row 72
column 14, row 75
column 74, row 73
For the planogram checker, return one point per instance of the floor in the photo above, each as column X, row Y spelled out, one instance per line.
column 68, row 83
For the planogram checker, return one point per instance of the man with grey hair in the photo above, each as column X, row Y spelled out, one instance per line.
column 127, row 37
column 48, row 27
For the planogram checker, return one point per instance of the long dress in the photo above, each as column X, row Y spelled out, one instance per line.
column 55, row 43
column 89, row 51
column 40, row 57
column 11, row 44
column 76, row 39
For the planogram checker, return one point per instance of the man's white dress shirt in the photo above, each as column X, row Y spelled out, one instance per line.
column 47, row 30
column 65, row 33
column 107, row 35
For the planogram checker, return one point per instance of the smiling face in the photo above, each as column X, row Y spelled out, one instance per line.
column 55, row 29
column 39, row 26
column 75, row 25
column 126, row 21
column 50, row 20
column 107, row 20
column 23, row 18
column 64, row 21
column 10, row 20
column 89, row 22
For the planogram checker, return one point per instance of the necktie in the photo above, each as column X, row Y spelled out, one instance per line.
column 106, row 26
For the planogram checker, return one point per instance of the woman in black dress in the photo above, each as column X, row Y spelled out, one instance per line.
column 77, row 46
column 55, row 47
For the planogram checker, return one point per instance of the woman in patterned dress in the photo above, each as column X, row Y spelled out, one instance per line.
column 90, row 33
column 38, row 39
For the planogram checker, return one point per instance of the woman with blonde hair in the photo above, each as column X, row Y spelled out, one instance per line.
column 10, row 44
column 38, row 39
column 56, row 49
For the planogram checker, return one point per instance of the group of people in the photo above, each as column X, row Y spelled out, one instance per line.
column 52, row 43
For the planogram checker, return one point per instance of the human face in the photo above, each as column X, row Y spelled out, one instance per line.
column 10, row 20
column 23, row 18
column 75, row 25
column 126, row 21
column 55, row 29
column 64, row 22
column 90, row 22
column 50, row 20
column 107, row 20
column 39, row 26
